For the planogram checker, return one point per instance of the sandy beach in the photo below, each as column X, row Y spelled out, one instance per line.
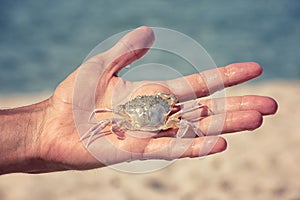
column 262, row 164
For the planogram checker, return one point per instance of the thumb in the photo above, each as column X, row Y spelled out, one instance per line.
column 128, row 49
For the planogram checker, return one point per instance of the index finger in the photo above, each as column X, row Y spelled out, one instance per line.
column 207, row 82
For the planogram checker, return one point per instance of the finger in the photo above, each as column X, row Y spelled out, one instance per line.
column 262, row 104
column 210, row 81
column 230, row 122
column 174, row 148
column 131, row 47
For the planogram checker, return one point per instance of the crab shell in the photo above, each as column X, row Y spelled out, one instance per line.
column 147, row 112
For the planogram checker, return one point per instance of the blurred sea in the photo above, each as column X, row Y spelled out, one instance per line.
column 41, row 42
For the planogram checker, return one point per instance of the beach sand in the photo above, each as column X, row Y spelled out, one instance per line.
column 262, row 164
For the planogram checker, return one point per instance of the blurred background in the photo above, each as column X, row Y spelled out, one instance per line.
column 41, row 42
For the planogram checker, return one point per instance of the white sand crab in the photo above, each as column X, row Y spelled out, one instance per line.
column 150, row 113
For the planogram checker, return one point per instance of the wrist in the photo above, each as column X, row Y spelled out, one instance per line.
column 20, row 130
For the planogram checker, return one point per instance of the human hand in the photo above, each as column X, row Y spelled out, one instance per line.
column 58, row 143
column 60, row 140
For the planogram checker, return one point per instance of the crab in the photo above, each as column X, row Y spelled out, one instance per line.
column 150, row 113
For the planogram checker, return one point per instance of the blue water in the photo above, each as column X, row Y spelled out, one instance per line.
column 41, row 42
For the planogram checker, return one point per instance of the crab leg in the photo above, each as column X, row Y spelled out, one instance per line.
column 99, row 110
column 195, row 105
column 168, row 96
column 183, row 126
column 89, row 131
column 186, row 124
column 115, row 130
column 191, row 108
column 95, row 130
column 181, row 112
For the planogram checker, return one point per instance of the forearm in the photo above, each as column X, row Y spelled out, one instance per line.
column 19, row 138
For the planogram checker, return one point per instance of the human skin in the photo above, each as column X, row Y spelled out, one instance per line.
column 43, row 137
